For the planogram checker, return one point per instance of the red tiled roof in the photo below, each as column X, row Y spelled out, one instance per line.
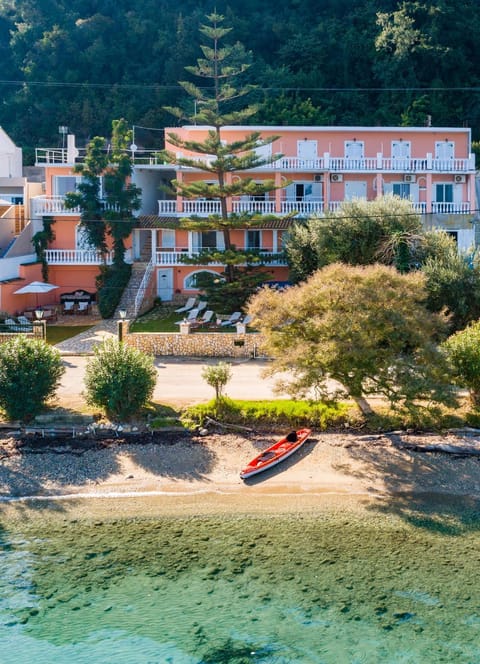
column 154, row 221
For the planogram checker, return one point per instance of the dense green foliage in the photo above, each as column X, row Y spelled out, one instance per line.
column 365, row 327
column 463, row 350
column 388, row 231
column 120, row 379
column 353, row 62
column 30, row 372
column 41, row 241
column 110, row 283
column 108, row 212
column 453, row 284
column 360, row 232
column 290, row 414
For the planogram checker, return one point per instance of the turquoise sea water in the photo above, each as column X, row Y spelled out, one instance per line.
column 332, row 587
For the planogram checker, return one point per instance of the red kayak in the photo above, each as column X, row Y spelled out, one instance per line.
column 277, row 452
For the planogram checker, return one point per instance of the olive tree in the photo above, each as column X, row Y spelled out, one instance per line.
column 366, row 328
column 463, row 350
column 217, row 376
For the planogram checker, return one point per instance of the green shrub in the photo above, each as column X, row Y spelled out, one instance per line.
column 286, row 413
column 111, row 283
column 30, row 371
column 120, row 379
column 217, row 376
column 463, row 350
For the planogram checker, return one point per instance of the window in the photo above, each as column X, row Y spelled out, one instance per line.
column 444, row 150
column 208, row 240
column 82, row 240
column 63, row 184
column 401, row 150
column 453, row 235
column 191, row 282
column 444, row 193
column 168, row 239
column 253, row 240
column 354, row 150
column 401, row 189
column 202, row 240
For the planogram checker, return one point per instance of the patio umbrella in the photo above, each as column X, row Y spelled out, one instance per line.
column 35, row 287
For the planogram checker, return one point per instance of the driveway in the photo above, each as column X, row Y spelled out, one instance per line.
column 179, row 381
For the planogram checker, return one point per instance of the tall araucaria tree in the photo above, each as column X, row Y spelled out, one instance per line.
column 216, row 106
column 108, row 210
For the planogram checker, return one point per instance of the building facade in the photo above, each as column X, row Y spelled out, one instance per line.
column 320, row 167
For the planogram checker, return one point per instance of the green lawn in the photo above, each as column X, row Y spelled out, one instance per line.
column 162, row 320
column 58, row 333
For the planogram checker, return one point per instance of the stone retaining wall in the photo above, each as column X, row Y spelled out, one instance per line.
column 198, row 344
column 37, row 333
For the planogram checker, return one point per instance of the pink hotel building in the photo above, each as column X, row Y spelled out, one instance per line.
column 321, row 166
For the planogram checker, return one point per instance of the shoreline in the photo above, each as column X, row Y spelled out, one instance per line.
column 185, row 475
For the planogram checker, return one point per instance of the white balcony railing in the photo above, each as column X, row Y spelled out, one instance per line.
column 177, row 257
column 51, row 205
column 201, row 207
column 420, row 208
column 451, row 208
column 75, row 257
column 325, row 163
column 167, row 207
column 55, row 205
column 302, row 207
column 262, row 207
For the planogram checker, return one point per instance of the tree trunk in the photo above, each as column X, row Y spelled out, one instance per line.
column 363, row 405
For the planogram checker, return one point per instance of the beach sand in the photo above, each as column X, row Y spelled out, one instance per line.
column 174, row 473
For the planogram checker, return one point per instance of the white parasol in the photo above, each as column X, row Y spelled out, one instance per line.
column 35, row 287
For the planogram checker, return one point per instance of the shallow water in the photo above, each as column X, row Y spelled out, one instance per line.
column 333, row 587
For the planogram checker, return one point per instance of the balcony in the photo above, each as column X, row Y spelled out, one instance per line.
column 43, row 206
column 46, row 206
column 326, row 163
column 259, row 207
column 75, row 257
column 174, row 257
column 204, row 208
column 303, row 207
column 451, row 208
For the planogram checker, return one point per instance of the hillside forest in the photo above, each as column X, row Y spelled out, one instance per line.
column 82, row 63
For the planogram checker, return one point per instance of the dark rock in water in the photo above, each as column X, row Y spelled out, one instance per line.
column 404, row 616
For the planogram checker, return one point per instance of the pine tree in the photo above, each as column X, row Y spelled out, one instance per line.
column 218, row 107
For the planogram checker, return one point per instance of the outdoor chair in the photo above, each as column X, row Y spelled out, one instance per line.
column 234, row 318
column 83, row 308
column 201, row 305
column 24, row 322
column 49, row 314
column 189, row 304
column 192, row 314
column 247, row 320
column 12, row 325
column 205, row 320
column 68, row 307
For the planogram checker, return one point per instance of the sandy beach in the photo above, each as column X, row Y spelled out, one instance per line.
column 178, row 473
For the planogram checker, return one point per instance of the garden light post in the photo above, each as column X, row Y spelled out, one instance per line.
column 120, row 324
column 41, row 322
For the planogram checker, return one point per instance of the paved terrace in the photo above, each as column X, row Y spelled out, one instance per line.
column 84, row 342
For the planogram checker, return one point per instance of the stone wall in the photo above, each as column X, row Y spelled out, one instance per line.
column 37, row 333
column 197, row 344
